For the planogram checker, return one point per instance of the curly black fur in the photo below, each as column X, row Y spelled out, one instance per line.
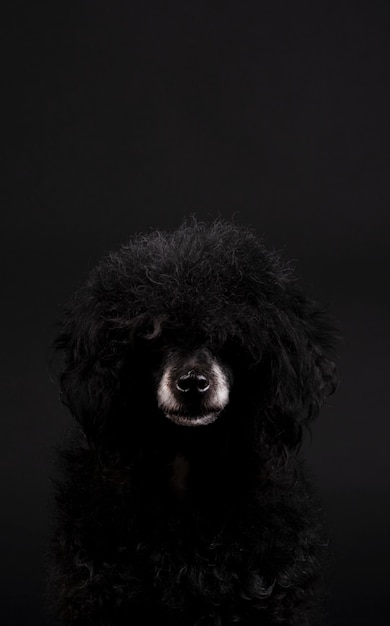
column 211, row 524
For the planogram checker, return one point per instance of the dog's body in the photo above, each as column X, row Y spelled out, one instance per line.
column 192, row 363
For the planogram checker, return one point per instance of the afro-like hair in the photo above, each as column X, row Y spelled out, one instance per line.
column 212, row 525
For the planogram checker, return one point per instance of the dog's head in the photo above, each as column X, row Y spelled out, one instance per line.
column 185, row 327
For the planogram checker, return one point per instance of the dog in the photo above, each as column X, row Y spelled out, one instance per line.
column 192, row 363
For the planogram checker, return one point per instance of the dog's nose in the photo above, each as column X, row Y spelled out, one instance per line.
column 192, row 382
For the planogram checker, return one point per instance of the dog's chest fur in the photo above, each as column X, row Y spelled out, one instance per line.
column 179, row 474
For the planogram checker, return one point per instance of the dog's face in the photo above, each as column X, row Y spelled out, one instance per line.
column 193, row 387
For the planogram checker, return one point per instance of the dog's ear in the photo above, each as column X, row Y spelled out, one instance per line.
column 96, row 345
column 92, row 361
column 301, row 369
column 101, row 359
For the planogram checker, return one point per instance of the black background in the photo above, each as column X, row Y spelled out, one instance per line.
column 125, row 115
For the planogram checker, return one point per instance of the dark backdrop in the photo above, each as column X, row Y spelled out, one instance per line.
column 126, row 115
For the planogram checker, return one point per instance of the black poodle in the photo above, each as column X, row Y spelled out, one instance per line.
column 192, row 363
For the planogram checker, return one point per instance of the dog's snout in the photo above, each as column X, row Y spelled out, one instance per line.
column 193, row 382
column 193, row 388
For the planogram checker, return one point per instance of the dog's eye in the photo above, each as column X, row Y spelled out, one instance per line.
column 234, row 353
column 150, row 329
column 230, row 349
column 149, row 333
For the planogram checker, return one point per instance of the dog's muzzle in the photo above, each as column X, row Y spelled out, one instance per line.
column 193, row 390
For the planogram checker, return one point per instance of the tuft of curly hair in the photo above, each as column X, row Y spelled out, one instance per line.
column 192, row 362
